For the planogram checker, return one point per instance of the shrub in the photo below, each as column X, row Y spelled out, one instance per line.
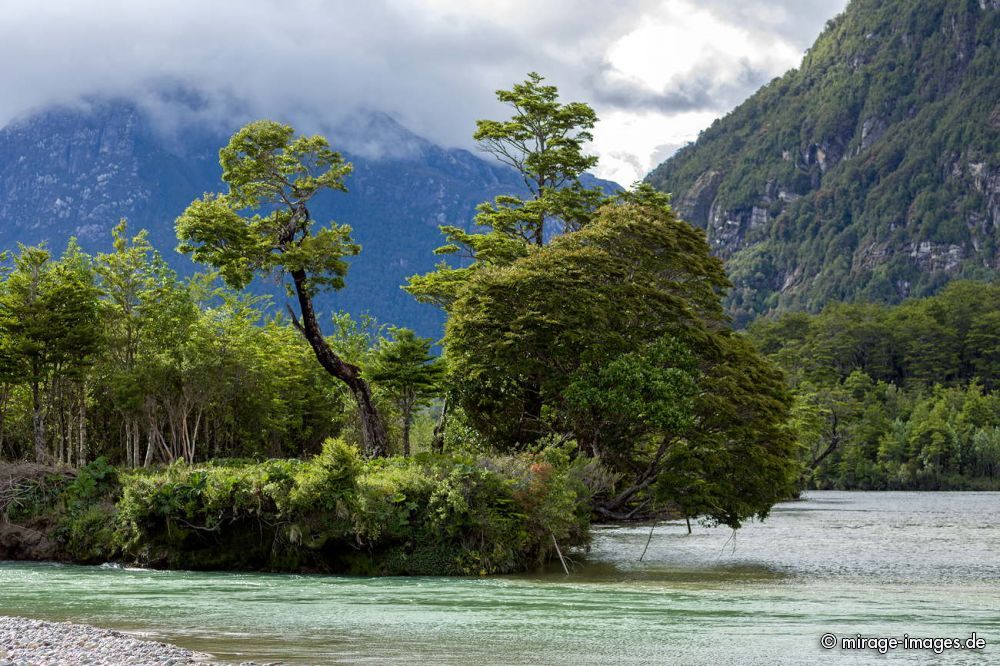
column 430, row 514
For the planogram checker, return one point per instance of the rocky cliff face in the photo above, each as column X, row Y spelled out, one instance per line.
column 77, row 171
column 871, row 171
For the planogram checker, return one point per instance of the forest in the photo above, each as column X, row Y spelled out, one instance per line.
column 864, row 161
column 895, row 397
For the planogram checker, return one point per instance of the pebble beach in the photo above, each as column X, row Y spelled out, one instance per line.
column 26, row 642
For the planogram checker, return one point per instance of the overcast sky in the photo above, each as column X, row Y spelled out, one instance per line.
column 657, row 72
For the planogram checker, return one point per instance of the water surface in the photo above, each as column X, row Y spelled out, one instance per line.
column 880, row 564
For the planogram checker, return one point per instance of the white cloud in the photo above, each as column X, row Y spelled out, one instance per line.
column 624, row 144
column 655, row 71
column 680, row 40
column 680, row 51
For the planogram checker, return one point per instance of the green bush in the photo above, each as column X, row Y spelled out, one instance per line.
column 88, row 534
column 430, row 514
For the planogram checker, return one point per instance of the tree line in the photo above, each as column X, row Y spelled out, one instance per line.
column 896, row 397
column 114, row 355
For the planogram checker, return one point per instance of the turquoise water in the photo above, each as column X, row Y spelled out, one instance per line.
column 880, row 564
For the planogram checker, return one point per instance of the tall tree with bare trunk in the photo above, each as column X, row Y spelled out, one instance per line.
column 262, row 226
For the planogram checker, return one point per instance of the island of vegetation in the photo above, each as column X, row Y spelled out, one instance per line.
column 588, row 371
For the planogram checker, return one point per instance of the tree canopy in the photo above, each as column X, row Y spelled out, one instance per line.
column 404, row 367
column 544, row 142
column 620, row 327
column 895, row 397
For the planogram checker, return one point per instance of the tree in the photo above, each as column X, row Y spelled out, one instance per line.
column 406, row 369
column 519, row 332
column 620, row 327
column 983, row 342
column 49, row 315
column 128, row 279
column 824, row 417
column 11, row 375
column 270, row 170
column 543, row 141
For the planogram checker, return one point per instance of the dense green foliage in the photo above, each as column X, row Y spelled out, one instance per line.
column 626, row 279
column 543, row 141
column 268, row 169
column 611, row 334
column 408, row 373
column 424, row 515
column 616, row 333
column 872, row 167
column 333, row 513
column 114, row 356
column 896, row 397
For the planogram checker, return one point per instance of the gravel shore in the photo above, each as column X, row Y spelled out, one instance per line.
column 25, row 642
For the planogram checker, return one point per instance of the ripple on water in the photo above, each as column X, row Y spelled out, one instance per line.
column 876, row 563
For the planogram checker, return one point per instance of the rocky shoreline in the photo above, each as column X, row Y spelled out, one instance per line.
column 26, row 642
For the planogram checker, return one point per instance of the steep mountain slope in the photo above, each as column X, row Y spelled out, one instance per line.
column 76, row 171
column 871, row 172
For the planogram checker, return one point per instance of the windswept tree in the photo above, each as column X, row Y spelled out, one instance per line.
column 619, row 327
column 262, row 226
column 544, row 142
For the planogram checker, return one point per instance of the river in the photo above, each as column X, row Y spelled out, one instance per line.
column 879, row 564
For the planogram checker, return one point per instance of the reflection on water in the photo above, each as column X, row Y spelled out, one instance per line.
column 873, row 563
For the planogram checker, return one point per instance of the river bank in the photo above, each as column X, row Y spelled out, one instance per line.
column 334, row 513
column 26, row 642
column 877, row 563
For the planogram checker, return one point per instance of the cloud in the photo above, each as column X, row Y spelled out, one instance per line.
column 433, row 64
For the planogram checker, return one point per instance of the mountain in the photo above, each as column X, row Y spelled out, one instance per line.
column 75, row 171
column 870, row 172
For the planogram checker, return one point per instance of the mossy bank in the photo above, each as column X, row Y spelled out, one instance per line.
column 334, row 513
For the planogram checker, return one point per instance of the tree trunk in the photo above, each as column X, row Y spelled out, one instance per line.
column 38, row 423
column 64, row 445
column 81, row 456
column 194, row 434
column 612, row 508
column 407, row 418
column 529, row 425
column 437, row 444
column 128, row 442
column 153, row 435
column 148, row 459
column 4, row 399
column 372, row 428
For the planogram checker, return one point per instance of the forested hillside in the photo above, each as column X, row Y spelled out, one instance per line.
column 891, row 397
column 871, row 172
